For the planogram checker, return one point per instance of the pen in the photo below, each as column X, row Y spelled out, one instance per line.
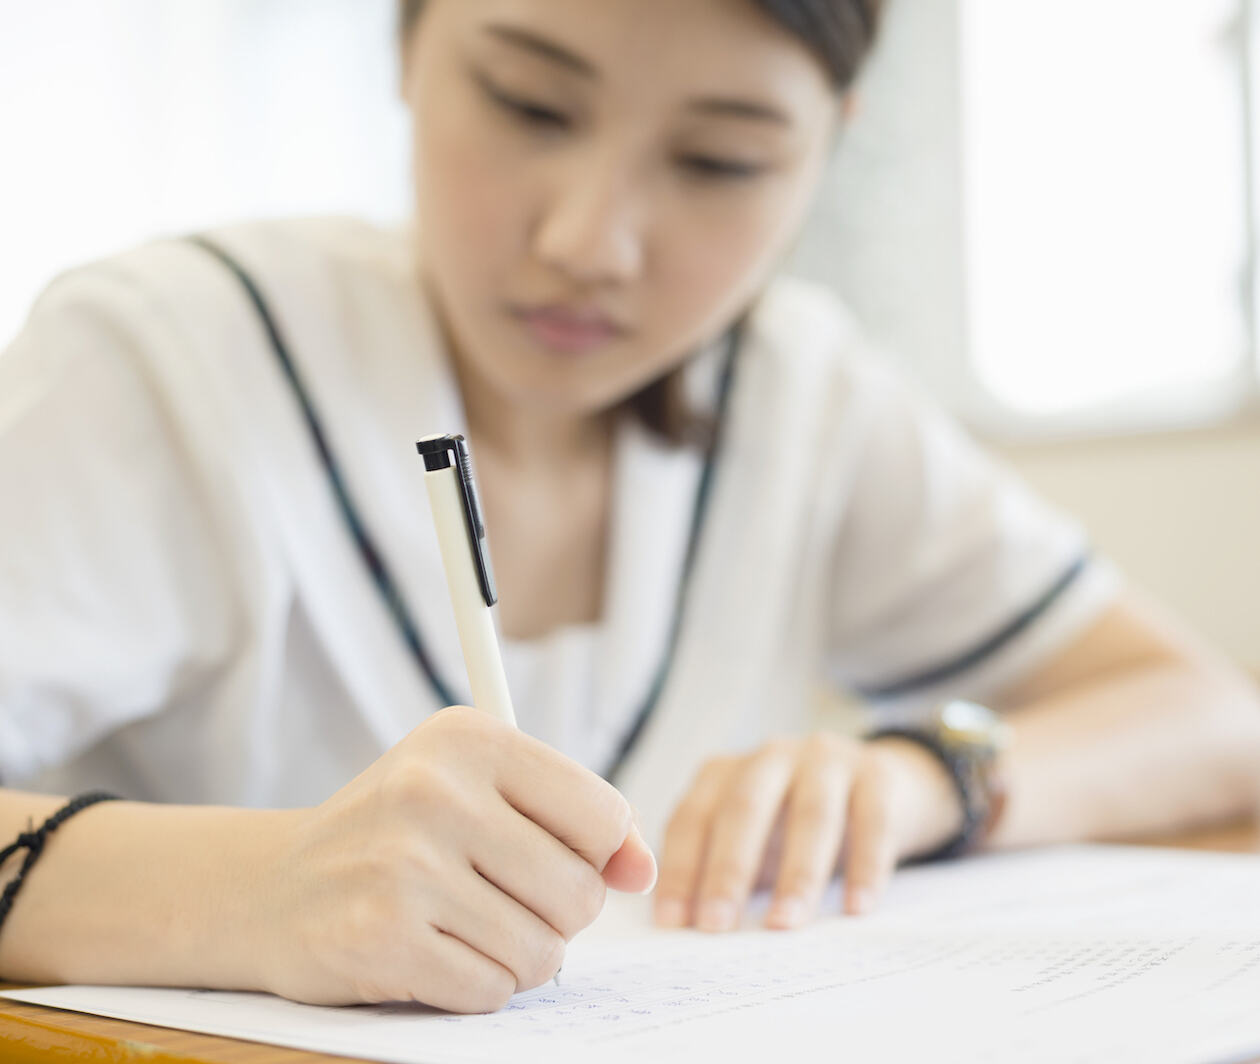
column 461, row 532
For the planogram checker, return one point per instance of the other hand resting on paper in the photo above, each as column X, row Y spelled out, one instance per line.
column 452, row 872
column 789, row 814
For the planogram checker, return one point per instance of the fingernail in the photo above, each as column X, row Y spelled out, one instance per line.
column 786, row 912
column 656, row 868
column 670, row 913
column 861, row 901
column 716, row 914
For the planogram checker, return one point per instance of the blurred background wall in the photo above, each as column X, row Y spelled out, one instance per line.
column 1045, row 210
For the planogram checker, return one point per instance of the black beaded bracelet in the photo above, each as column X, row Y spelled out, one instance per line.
column 33, row 843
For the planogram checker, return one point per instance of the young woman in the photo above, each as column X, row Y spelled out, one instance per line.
column 221, row 598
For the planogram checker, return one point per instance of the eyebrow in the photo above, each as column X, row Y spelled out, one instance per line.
column 548, row 49
column 735, row 108
column 541, row 46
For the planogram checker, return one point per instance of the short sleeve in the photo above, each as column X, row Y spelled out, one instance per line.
column 951, row 578
column 113, row 600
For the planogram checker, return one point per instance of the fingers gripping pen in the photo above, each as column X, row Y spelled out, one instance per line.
column 461, row 533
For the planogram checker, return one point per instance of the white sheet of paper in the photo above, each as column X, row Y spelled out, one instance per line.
column 1075, row 954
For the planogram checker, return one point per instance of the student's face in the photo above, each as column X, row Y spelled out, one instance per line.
column 603, row 186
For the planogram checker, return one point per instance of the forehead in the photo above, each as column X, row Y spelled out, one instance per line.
column 662, row 49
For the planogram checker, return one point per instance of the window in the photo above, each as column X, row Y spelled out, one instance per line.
column 1106, row 210
column 1043, row 208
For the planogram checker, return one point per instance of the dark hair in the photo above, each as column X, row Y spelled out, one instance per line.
column 841, row 34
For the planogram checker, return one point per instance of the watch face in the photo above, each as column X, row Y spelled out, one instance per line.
column 969, row 722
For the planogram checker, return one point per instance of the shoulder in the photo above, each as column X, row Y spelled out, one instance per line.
column 792, row 310
column 160, row 341
column 807, row 362
column 185, row 309
column 802, row 332
column 328, row 250
column 183, row 277
column 845, row 411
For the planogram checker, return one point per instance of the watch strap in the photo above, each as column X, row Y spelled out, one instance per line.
column 978, row 804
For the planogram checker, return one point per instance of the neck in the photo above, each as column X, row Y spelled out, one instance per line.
column 522, row 437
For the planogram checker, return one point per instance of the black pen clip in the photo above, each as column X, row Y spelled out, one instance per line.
column 436, row 452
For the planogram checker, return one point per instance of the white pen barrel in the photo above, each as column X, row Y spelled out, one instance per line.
column 477, row 635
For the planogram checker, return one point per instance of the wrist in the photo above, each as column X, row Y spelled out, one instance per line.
column 967, row 740
column 174, row 899
column 930, row 812
column 232, row 932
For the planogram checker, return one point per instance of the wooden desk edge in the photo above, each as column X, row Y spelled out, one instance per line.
column 32, row 1034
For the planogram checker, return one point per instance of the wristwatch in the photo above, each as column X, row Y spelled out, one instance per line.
column 968, row 739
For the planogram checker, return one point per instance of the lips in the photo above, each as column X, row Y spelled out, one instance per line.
column 571, row 330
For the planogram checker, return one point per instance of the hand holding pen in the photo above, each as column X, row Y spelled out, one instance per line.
column 455, row 869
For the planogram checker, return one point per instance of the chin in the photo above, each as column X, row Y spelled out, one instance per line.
column 570, row 388
column 569, row 402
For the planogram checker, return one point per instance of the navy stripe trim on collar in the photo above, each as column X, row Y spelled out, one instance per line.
column 374, row 560
column 372, row 557
column 938, row 674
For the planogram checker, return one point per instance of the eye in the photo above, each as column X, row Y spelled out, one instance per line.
column 528, row 111
column 720, row 169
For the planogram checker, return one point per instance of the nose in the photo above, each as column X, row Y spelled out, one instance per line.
column 592, row 227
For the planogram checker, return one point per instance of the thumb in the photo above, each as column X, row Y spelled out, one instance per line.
column 632, row 868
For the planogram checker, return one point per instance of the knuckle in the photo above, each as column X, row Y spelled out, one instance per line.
column 492, row 994
column 677, row 886
column 547, row 961
column 740, row 805
column 409, row 785
column 676, row 878
column 611, row 814
column 535, row 958
column 683, row 826
column 727, row 875
column 810, row 811
column 819, row 740
column 463, row 726
column 873, row 789
column 617, row 810
column 826, row 746
column 869, row 830
column 487, row 988
column 869, row 820
column 879, row 766
column 454, row 984
column 777, row 749
column 592, row 892
column 452, row 719
column 367, row 920
column 584, row 902
column 712, row 771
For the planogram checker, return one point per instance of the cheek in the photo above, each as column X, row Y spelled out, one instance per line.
column 713, row 262
column 472, row 215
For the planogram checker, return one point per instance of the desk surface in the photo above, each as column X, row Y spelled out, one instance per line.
column 30, row 1034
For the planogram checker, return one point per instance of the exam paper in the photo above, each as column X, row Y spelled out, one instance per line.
column 1074, row 954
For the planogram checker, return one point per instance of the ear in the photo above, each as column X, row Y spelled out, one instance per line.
column 850, row 104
